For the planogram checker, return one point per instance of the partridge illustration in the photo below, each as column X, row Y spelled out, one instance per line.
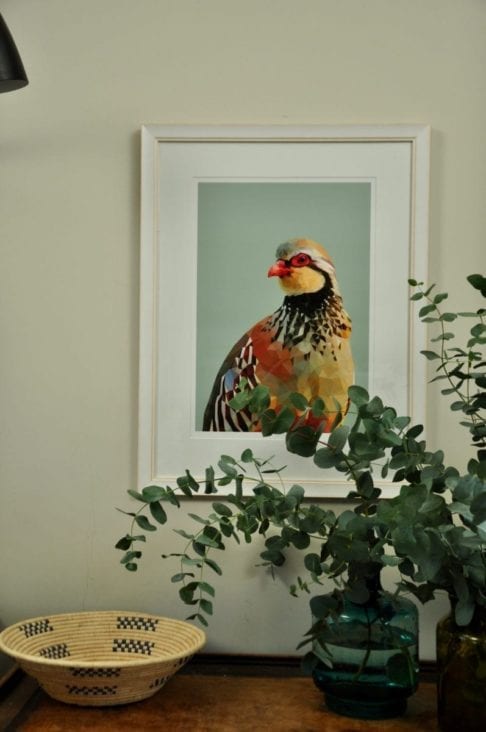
column 304, row 346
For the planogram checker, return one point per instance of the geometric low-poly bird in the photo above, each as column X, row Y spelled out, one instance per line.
column 304, row 346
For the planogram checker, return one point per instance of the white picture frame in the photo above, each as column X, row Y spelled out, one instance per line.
column 392, row 159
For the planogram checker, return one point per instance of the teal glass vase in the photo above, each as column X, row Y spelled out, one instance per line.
column 371, row 656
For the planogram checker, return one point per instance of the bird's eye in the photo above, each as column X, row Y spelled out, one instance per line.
column 300, row 260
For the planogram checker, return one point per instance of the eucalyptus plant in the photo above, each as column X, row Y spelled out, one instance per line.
column 433, row 531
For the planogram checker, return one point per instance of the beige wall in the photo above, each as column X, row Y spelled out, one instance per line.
column 69, row 218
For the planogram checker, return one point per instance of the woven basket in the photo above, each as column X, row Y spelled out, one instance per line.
column 101, row 658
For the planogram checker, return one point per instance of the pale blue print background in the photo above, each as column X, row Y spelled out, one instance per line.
column 240, row 226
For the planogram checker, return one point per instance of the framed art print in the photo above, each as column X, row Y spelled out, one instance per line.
column 217, row 204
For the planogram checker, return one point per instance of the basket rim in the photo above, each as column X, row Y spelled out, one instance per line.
column 199, row 641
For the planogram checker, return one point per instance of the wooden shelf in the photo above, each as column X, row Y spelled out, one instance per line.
column 212, row 697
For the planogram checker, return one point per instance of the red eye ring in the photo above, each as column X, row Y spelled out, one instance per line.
column 300, row 260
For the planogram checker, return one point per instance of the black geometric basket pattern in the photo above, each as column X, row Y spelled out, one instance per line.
column 158, row 683
column 36, row 627
column 94, row 673
column 136, row 623
column 60, row 650
column 129, row 645
column 91, row 690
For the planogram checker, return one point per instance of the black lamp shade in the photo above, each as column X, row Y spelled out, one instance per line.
column 12, row 72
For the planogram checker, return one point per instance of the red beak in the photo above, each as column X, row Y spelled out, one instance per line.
column 279, row 269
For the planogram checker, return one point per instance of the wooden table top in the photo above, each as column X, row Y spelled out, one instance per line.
column 214, row 702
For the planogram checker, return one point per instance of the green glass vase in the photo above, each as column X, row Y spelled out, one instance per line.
column 373, row 650
column 461, row 665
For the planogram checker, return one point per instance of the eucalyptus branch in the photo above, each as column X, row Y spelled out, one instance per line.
column 458, row 365
column 445, row 357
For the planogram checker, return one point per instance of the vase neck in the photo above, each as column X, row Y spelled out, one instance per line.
column 370, row 575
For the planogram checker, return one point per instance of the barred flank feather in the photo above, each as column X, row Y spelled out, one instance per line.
column 223, row 418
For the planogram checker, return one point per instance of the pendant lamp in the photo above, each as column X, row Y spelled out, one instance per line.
column 12, row 72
